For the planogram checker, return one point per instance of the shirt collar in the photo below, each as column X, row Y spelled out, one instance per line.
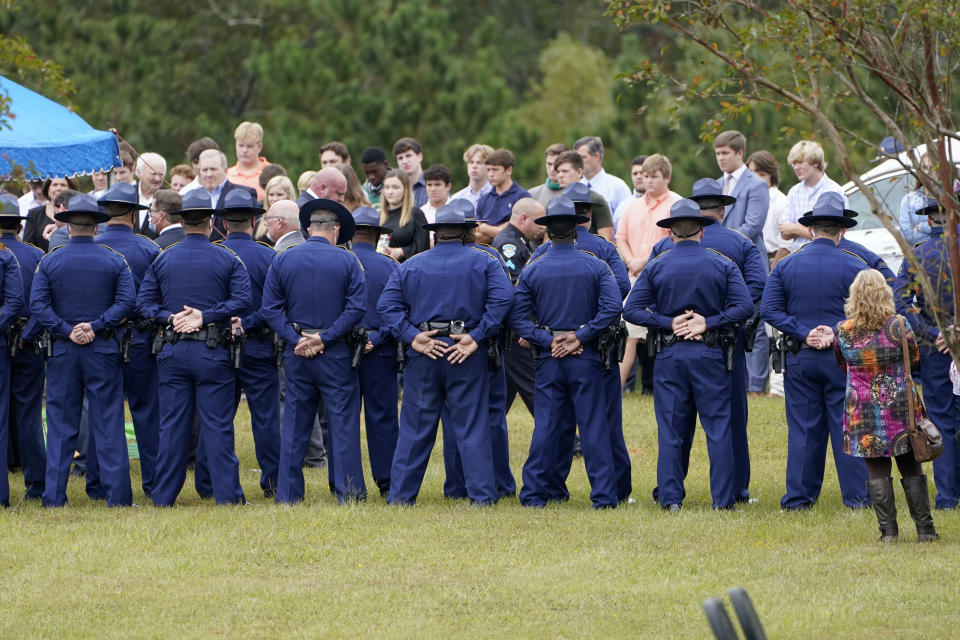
column 175, row 225
column 739, row 172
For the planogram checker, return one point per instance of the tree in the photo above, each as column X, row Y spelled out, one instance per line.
column 850, row 66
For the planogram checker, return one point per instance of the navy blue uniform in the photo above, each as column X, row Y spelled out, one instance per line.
column 807, row 289
column 377, row 370
column 690, row 377
column 84, row 282
column 518, row 364
column 613, row 393
column 195, row 378
column 454, row 486
column 332, row 304
column 448, row 283
column 257, row 376
column 26, row 380
column 140, row 374
column 744, row 253
column 567, row 290
column 942, row 406
column 11, row 304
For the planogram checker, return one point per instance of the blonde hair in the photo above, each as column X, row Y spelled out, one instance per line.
column 248, row 132
column 657, row 162
column 406, row 207
column 483, row 149
column 303, row 182
column 282, row 181
column 870, row 302
column 807, row 150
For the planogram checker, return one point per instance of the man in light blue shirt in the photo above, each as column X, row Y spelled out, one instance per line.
column 613, row 189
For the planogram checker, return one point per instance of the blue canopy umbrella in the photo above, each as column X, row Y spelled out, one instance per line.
column 48, row 140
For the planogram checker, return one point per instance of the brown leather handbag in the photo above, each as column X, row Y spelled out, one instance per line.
column 925, row 438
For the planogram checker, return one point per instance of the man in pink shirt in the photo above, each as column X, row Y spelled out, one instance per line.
column 249, row 138
column 637, row 232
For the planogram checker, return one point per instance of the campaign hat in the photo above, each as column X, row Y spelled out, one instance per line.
column 368, row 218
column 828, row 210
column 123, row 194
column 347, row 225
column 469, row 211
column 451, row 215
column 835, row 199
column 710, row 189
column 82, row 203
column 685, row 209
column 195, row 204
column 239, row 206
column 561, row 208
column 579, row 194
column 10, row 207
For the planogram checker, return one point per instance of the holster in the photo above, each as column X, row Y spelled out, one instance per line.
column 14, row 331
column 494, row 358
column 750, row 333
column 358, row 342
column 401, row 348
column 779, row 355
column 279, row 344
column 124, row 338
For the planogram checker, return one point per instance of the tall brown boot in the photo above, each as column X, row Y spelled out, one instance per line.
column 915, row 488
column 884, row 505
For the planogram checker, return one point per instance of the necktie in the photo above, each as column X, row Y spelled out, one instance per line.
column 726, row 183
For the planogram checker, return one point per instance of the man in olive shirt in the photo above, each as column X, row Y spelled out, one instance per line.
column 569, row 169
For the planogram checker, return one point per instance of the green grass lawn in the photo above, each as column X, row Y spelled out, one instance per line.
column 445, row 569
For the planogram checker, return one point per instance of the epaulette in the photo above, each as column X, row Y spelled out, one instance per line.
column 266, row 245
column 172, row 244
column 742, row 234
column 224, row 247
column 793, row 253
column 919, row 242
column 146, row 238
column 860, row 258
column 589, row 253
column 538, row 258
column 355, row 256
column 718, row 253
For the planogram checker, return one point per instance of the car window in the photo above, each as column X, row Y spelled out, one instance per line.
column 889, row 191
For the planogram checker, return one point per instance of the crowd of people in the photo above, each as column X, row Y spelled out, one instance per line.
column 183, row 289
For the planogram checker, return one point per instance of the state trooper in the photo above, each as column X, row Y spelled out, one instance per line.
column 122, row 203
column 446, row 303
column 377, row 367
column 80, row 295
column 573, row 297
column 732, row 244
column 691, row 298
column 453, row 485
column 257, row 375
column 11, row 306
column 315, row 316
column 25, row 391
column 605, row 250
column 804, row 298
column 192, row 290
column 921, row 308
column 834, row 199
column 516, row 244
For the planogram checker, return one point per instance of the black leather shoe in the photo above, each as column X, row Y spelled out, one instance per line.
column 672, row 508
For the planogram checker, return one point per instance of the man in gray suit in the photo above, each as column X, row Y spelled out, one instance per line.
column 747, row 215
column 282, row 221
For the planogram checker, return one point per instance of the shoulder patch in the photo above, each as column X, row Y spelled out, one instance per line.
column 719, row 254
column 508, row 250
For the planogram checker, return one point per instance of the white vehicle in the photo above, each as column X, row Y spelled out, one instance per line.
column 890, row 182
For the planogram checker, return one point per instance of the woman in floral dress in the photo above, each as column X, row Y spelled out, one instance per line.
column 868, row 346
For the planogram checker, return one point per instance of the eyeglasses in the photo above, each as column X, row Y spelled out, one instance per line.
column 270, row 218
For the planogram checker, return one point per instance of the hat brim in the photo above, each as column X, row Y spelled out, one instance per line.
column 241, row 212
column 842, row 221
column 929, row 211
column 124, row 203
column 372, row 227
column 725, row 200
column 12, row 216
column 347, row 224
column 433, row 226
column 666, row 223
column 848, row 213
column 64, row 216
column 557, row 217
